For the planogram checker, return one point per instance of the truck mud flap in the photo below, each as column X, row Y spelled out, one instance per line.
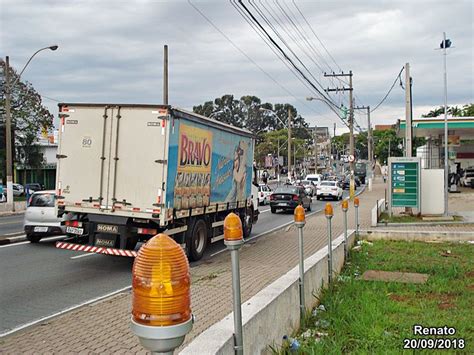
column 96, row 250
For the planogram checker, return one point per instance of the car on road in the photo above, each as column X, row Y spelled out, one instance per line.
column 309, row 187
column 467, row 177
column 331, row 189
column 288, row 197
column 346, row 184
column 264, row 192
column 314, row 178
column 40, row 217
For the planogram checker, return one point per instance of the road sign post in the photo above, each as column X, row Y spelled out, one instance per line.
column 404, row 181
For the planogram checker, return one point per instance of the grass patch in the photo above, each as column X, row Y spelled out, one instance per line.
column 385, row 218
column 374, row 317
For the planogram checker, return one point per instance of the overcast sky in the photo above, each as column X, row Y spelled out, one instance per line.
column 112, row 51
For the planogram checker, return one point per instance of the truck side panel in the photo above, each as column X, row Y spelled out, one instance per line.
column 207, row 166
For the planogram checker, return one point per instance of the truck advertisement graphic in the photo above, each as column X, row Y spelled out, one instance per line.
column 192, row 185
column 207, row 166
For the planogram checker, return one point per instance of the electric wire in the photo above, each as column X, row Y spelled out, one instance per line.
column 250, row 59
column 390, row 90
column 285, row 55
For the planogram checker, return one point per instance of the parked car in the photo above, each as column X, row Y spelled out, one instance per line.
column 33, row 187
column 18, row 190
column 330, row 189
column 264, row 191
column 467, row 177
column 288, row 198
column 40, row 217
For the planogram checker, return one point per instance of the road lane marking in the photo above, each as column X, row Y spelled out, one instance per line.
column 12, row 222
column 47, row 239
column 93, row 300
column 82, row 255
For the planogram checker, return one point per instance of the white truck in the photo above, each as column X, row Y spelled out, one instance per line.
column 127, row 172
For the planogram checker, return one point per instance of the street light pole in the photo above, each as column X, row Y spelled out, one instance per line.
column 289, row 144
column 8, row 135
column 446, row 165
column 8, row 122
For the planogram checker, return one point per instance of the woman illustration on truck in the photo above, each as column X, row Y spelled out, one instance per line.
column 239, row 182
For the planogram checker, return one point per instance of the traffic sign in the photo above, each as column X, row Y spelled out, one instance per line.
column 351, row 158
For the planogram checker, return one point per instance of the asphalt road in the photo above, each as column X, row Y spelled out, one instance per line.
column 39, row 280
column 10, row 225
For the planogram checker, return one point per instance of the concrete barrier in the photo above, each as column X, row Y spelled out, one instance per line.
column 274, row 311
column 376, row 211
column 5, row 207
column 419, row 236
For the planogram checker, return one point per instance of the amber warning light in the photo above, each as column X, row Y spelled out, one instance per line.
column 161, row 296
column 356, row 202
column 299, row 214
column 328, row 210
column 345, row 205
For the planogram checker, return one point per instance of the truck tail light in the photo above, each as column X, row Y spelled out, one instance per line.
column 272, row 197
column 296, row 198
column 150, row 231
column 73, row 224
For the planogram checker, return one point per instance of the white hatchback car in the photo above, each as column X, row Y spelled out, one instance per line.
column 264, row 192
column 40, row 217
column 330, row 189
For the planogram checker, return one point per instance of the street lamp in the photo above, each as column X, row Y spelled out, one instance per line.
column 8, row 121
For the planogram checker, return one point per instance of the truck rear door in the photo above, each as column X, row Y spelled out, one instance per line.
column 112, row 158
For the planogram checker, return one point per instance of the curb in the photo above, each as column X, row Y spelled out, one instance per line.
column 441, row 223
column 18, row 237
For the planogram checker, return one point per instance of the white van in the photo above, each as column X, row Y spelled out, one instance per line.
column 314, row 178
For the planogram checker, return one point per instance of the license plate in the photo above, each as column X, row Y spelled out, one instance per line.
column 40, row 229
column 74, row 230
column 283, row 204
column 106, row 228
column 105, row 243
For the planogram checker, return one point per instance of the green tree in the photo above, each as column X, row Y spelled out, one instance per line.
column 468, row 110
column 29, row 118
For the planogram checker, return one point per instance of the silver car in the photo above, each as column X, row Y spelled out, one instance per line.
column 40, row 217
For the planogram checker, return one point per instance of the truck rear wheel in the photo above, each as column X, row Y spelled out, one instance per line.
column 196, row 239
column 33, row 238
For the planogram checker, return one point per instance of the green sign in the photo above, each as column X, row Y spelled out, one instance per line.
column 405, row 182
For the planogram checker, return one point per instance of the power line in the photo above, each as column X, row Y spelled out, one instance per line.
column 249, row 58
column 389, row 91
column 285, row 55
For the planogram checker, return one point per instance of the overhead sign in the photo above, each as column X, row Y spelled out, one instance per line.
column 404, row 180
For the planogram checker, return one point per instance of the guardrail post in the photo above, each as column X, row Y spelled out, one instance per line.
column 356, row 205
column 300, row 222
column 329, row 213
column 233, row 239
column 345, row 207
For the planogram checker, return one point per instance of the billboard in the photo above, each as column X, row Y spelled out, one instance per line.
column 207, row 166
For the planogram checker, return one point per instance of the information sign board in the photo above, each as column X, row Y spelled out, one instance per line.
column 404, row 180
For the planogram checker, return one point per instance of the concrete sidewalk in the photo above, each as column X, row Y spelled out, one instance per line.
column 103, row 327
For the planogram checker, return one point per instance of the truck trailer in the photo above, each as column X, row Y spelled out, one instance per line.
column 127, row 172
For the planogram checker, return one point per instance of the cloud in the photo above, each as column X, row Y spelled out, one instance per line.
column 112, row 51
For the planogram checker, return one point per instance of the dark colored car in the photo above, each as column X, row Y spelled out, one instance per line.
column 33, row 187
column 347, row 183
column 288, row 198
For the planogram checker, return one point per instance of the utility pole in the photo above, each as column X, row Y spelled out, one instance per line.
column 8, row 135
column 278, row 158
column 445, row 45
column 408, row 114
column 369, row 143
column 165, row 75
column 315, row 149
column 289, row 144
column 351, row 125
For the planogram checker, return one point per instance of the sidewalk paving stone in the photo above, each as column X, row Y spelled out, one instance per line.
column 103, row 327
